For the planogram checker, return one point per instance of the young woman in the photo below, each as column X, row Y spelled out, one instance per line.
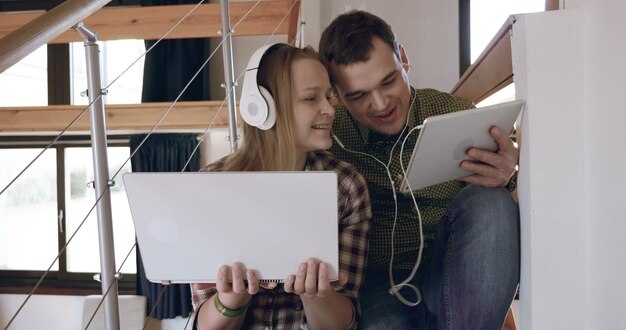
column 302, row 93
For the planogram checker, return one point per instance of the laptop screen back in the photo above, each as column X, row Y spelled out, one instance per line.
column 189, row 224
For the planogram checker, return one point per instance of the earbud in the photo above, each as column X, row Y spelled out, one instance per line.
column 338, row 141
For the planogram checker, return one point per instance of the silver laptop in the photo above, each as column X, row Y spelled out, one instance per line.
column 189, row 224
column 443, row 142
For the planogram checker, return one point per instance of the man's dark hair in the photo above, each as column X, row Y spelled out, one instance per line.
column 348, row 38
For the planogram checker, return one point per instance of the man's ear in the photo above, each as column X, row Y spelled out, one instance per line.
column 404, row 58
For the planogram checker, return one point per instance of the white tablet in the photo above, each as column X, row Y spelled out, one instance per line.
column 443, row 142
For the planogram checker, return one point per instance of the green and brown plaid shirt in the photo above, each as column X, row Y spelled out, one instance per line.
column 432, row 201
column 276, row 309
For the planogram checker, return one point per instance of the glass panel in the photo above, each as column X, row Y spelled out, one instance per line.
column 28, row 210
column 487, row 17
column 505, row 94
column 83, row 251
column 26, row 83
column 115, row 57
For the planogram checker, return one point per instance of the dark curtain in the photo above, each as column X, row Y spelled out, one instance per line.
column 164, row 153
column 172, row 63
column 168, row 68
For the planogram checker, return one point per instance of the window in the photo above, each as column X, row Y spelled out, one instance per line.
column 39, row 212
column 26, row 80
column 82, row 254
column 486, row 18
column 43, row 208
column 28, row 210
column 116, row 56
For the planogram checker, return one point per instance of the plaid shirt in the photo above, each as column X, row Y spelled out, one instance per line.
column 276, row 309
column 432, row 201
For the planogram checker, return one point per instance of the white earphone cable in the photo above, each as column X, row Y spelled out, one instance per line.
column 395, row 288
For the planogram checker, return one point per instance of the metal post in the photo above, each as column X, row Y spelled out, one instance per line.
column 101, row 179
column 229, row 73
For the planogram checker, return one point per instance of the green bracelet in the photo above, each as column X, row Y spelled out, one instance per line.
column 227, row 311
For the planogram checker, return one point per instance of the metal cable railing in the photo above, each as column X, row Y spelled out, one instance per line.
column 150, row 132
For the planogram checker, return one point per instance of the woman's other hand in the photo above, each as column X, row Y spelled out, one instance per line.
column 312, row 280
column 231, row 285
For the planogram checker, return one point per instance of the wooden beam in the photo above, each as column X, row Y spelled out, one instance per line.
column 185, row 116
column 492, row 71
column 153, row 22
column 146, row 23
column 552, row 5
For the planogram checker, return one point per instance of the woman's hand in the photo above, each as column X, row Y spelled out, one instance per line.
column 323, row 306
column 311, row 280
column 233, row 291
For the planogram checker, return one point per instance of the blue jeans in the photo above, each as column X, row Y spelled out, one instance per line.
column 471, row 274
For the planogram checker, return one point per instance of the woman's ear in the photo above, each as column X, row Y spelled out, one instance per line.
column 404, row 58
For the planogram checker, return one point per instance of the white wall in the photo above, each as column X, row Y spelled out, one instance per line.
column 606, row 162
column 568, row 66
column 215, row 146
column 552, row 226
column 428, row 29
column 41, row 312
column 60, row 313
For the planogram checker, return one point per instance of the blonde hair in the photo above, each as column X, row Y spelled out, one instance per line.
column 273, row 149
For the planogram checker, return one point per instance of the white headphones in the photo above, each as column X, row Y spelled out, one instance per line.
column 256, row 105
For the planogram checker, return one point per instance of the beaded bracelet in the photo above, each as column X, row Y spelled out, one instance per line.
column 227, row 311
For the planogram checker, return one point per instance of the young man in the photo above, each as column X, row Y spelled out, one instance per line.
column 470, row 268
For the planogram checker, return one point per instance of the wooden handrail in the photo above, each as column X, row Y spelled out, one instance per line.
column 43, row 29
column 552, row 5
column 491, row 71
